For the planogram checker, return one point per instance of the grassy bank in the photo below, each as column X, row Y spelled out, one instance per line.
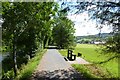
column 27, row 70
column 91, row 53
column 91, row 71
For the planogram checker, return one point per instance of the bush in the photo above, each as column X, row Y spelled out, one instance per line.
column 8, row 76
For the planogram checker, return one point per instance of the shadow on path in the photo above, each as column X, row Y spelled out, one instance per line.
column 60, row 74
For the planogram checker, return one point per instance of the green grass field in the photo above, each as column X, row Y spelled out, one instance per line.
column 92, row 54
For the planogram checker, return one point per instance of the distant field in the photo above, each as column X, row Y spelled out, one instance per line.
column 92, row 54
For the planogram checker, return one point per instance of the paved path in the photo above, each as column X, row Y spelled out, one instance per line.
column 53, row 66
column 79, row 60
column 52, row 60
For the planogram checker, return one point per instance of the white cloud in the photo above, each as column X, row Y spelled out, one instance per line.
column 84, row 26
column 78, row 17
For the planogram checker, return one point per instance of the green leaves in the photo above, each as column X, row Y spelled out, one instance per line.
column 26, row 27
column 63, row 32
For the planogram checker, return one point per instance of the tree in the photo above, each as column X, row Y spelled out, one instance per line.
column 26, row 26
column 63, row 32
column 108, row 13
column 104, row 12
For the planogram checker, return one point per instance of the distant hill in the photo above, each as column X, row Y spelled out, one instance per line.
column 104, row 35
column 101, row 36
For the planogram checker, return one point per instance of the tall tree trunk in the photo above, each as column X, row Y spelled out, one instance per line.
column 14, row 54
column 14, row 59
column 45, row 41
column 30, row 53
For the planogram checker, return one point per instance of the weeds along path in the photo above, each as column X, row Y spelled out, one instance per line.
column 53, row 66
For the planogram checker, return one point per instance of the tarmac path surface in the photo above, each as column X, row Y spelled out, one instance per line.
column 53, row 67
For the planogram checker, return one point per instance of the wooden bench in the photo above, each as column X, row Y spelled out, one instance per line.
column 71, row 56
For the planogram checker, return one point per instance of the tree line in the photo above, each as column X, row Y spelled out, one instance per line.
column 28, row 27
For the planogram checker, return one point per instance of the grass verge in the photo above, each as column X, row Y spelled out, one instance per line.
column 93, row 72
column 27, row 70
column 84, row 71
column 91, row 53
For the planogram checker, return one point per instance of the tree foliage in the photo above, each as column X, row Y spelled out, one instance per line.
column 109, row 13
column 26, row 28
column 105, row 13
column 63, row 32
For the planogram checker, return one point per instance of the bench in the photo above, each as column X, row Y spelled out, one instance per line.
column 71, row 56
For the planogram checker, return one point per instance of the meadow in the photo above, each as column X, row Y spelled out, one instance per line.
column 102, row 64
